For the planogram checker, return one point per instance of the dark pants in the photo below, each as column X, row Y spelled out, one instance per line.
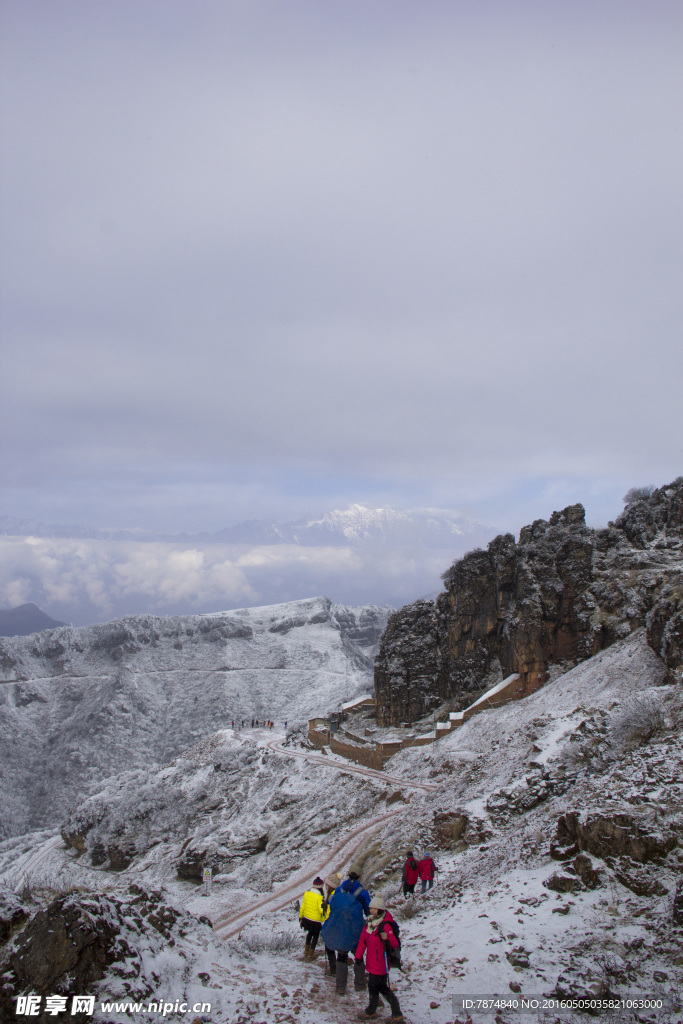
column 313, row 930
column 332, row 958
column 378, row 985
column 408, row 890
column 427, row 883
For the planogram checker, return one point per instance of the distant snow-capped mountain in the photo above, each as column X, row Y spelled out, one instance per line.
column 432, row 526
column 357, row 524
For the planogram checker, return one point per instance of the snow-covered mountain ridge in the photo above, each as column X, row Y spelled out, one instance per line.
column 79, row 704
column 556, row 826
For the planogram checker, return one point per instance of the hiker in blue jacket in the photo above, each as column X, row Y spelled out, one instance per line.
column 349, row 906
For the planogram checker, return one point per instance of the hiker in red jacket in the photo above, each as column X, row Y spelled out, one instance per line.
column 377, row 938
column 411, row 873
column 427, row 867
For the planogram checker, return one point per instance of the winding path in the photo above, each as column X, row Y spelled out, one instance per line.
column 34, row 860
column 351, row 767
column 231, row 923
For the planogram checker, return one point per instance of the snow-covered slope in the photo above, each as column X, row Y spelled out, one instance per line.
column 80, row 704
column 515, row 907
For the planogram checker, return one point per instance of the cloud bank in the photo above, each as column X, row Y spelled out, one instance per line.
column 394, row 253
column 83, row 581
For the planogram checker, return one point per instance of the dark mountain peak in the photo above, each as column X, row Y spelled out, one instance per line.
column 25, row 619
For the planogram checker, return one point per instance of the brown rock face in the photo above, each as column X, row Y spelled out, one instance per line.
column 560, row 594
column 81, row 937
column 614, row 835
column 449, row 828
column 12, row 916
column 194, row 859
column 665, row 629
column 64, row 950
column 524, row 604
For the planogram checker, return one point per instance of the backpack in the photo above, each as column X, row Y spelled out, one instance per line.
column 341, row 931
column 394, row 955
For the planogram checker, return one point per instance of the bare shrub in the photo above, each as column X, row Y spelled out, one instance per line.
column 638, row 494
column 46, row 886
column 409, row 909
column 263, row 941
column 641, row 717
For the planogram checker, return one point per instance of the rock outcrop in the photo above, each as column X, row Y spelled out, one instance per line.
column 558, row 595
column 68, row 947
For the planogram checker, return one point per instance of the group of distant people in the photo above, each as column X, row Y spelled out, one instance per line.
column 349, row 921
column 256, row 723
column 414, row 869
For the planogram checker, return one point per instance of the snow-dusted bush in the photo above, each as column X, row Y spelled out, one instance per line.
column 409, row 909
column 296, row 734
column 638, row 494
column 641, row 717
column 260, row 940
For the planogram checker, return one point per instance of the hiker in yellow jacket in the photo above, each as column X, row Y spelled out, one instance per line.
column 314, row 911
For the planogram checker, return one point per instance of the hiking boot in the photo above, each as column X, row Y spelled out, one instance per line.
column 397, row 1019
column 308, row 953
column 364, row 1015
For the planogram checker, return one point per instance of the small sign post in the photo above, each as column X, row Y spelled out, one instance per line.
column 206, row 879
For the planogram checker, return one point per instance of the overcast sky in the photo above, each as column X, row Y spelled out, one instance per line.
column 262, row 258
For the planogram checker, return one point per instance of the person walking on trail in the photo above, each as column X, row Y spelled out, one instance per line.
column 427, row 867
column 377, row 939
column 411, row 872
column 313, row 912
column 349, row 904
column 331, row 884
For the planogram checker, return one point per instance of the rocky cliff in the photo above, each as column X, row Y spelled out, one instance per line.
column 558, row 595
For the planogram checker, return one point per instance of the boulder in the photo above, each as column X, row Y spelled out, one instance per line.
column 613, row 834
column 589, row 875
column 449, row 828
column 65, row 949
column 12, row 916
column 80, row 938
column 563, row 883
column 221, row 859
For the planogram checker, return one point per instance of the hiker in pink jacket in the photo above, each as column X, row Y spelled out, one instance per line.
column 427, row 868
column 411, row 873
column 377, row 938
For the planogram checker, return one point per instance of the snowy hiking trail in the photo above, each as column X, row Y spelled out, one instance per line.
column 230, row 924
column 329, row 761
column 35, row 859
column 277, row 900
